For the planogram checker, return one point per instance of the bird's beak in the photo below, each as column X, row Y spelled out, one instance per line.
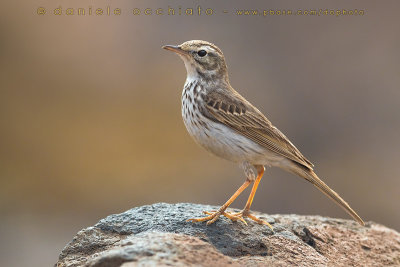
column 175, row 48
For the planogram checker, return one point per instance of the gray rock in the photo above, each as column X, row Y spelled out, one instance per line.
column 158, row 235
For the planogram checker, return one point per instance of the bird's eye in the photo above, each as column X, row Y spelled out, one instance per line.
column 202, row 53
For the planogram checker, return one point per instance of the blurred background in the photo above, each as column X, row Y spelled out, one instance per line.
column 90, row 120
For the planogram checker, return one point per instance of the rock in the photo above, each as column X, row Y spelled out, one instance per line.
column 158, row 235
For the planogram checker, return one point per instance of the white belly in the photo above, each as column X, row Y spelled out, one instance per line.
column 220, row 139
column 224, row 142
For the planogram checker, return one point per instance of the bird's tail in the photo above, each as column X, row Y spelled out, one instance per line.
column 310, row 176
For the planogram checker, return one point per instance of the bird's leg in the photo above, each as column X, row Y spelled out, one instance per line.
column 213, row 216
column 260, row 173
column 246, row 211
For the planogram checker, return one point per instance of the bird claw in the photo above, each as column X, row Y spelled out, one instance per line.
column 209, row 212
column 214, row 215
column 259, row 221
column 235, row 217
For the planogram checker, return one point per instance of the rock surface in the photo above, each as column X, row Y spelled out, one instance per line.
column 158, row 235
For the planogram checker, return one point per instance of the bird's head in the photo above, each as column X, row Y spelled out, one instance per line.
column 202, row 59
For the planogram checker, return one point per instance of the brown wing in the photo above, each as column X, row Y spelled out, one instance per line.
column 232, row 110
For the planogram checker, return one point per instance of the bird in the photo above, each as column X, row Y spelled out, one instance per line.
column 223, row 122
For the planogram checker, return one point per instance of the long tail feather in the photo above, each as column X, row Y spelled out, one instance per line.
column 310, row 176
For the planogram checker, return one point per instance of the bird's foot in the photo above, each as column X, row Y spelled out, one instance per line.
column 210, row 219
column 214, row 215
column 243, row 214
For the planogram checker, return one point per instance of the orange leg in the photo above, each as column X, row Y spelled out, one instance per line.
column 260, row 174
column 221, row 211
column 246, row 211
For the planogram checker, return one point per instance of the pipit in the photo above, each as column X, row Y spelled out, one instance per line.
column 227, row 125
